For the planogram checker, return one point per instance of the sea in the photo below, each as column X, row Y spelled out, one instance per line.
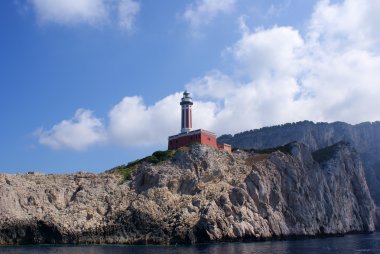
column 360, row 243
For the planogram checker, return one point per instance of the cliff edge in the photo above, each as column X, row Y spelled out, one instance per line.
column 199, row 194
column 365, row 137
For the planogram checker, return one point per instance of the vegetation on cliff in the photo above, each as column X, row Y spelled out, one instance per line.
column 128, row 169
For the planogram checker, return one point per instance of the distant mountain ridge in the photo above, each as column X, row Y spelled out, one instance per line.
column 365, row 137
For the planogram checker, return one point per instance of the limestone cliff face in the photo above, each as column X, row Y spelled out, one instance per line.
column 200, row 194
column 365, row 137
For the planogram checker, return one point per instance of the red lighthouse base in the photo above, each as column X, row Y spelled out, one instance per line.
column 198, row 136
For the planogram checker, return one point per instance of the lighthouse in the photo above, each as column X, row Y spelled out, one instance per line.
column 187, row 136
column 187, row 115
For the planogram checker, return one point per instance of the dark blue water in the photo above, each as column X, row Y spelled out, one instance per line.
column 367, row 244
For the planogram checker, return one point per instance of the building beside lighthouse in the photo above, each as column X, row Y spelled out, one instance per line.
column 187, row 136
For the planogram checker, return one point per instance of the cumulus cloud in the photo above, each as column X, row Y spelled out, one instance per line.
column 77, row 133
column 93, row 12
column 273, row 51
column 348, row 25
column 328, row 73
column 280, row 75
column 133, row 123
column 203, row 11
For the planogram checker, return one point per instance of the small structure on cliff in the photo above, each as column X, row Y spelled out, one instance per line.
column 187, row 136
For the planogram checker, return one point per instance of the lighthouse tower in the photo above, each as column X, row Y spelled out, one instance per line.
column 187, row 116
column 187, row 136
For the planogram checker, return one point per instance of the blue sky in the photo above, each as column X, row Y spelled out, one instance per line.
column 91, row 84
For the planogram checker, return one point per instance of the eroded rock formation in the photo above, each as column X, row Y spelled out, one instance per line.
column 198, row 195
column 365, row 137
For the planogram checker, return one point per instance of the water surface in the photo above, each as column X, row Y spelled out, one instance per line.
column 364, row 243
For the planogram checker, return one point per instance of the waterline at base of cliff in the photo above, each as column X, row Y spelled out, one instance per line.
column 360, row 243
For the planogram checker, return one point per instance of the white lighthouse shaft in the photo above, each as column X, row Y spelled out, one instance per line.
column 186, row 112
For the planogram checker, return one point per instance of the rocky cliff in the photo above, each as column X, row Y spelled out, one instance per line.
column 365, row 137
column 199, row 194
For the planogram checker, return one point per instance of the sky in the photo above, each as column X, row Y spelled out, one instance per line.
column 92, row 84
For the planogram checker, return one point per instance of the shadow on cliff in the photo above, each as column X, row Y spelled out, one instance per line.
column 32, row 232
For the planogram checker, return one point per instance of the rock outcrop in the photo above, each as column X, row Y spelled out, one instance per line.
column 200, row 194
column 365, row 137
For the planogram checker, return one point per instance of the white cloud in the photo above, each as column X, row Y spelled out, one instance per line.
column 203, row 11
column 268, row 52
column 348, row 25
column 214, row 85
column 69, row 12
column 93, row 12
column 132, row 123
column 127, row 11
column 329, row 73
column 77, row 133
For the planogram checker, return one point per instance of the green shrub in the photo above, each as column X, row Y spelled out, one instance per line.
column 164, row 155
column 151, row 159
column 184, row 148
column 133, row 163
column 127, row 172
column 159, row 156
column 156, row 157
column 328, row 153
column 285, row 149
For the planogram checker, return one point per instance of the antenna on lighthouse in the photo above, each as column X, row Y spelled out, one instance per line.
column 187, row 117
